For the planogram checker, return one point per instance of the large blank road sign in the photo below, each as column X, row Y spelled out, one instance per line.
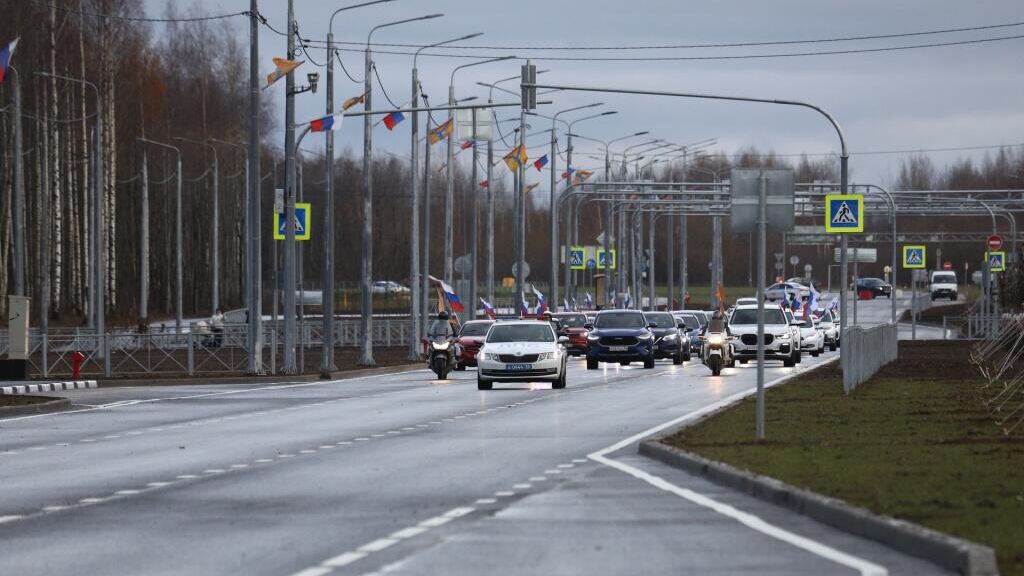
column 302, row 217
column 844, row 213
column 914, row 257
column 746, row 190
column 861, row 255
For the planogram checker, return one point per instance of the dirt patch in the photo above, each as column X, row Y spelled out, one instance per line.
column 22, row 400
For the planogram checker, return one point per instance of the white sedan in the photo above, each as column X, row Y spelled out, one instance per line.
column 812, row 336
column 521, row 351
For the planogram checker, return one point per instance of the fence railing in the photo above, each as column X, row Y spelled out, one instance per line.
column 865, row 351
column 972, row 326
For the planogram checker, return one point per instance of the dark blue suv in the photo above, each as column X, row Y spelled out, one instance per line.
column 621, row 336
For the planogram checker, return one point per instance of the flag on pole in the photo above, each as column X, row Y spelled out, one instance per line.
column 281, row 68
column 628, row 302
column 568, row 172
column 488, row 309
column 524, row 308
column 720, row 295
column 516, row 158
column 353, row 101
column 811, row 302
column 565, row 304
column 392, row 120
column 326, row 124
column 541, row 162
column 440, row 132
column 6, row 53
column 542, row 304
column 467, row 145
column 529, row 188
column 589, row 301
column 484, row 184
column 450, row 295
column 582, row 175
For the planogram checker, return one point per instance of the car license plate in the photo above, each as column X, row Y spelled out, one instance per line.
column 619, row 348
column 518, row 367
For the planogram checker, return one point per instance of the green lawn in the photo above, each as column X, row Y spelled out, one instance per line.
column 914, row 443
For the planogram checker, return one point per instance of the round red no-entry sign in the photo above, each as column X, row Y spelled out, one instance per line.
column 994, row 243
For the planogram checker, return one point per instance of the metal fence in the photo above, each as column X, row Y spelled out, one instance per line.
column 865, row 351
column 972, row 327
column 196, row 351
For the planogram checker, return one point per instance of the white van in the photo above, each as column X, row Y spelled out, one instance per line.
column 943, row 285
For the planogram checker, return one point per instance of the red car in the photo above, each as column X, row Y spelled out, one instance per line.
column 573, row 325
column 470, row 339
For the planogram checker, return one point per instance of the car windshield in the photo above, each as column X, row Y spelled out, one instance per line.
column 944, row 279
column 475, row 329
column 749, row 316
column 520, row 333
column 572, row 320
column 826, row 316
column 620, row 320
column 661, row 319
column 690, row 322
column 871, row 282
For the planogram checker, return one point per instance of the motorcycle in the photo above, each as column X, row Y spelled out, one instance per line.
column 442, row 357
column 717, row 352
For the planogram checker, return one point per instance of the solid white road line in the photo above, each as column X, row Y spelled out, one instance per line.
column 864, row 567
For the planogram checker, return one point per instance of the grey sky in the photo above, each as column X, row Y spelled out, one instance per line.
column 929, row 98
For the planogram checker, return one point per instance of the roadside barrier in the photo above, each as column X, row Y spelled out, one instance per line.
column 865, row 351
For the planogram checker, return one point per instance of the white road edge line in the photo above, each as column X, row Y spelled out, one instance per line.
column 864, row 567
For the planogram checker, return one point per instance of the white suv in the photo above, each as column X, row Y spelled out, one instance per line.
column 778, row 337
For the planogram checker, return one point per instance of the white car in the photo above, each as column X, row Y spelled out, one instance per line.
column 778, row 338
column 943, row 285
column 812, row 337
column 388, row 287
column 521, row 351
column 746, row 301
column 830, row 328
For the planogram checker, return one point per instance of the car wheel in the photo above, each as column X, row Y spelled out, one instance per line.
column 821, row 350
column 649, row 363
column 677, row 359
column 625, row 362
column 559, row 382
column 814, row 354
column 789, row 362
column 799, row 356
column 591, row 364
column 460, row 367
column 832, row 347
column 483, row 384
column 743, row 360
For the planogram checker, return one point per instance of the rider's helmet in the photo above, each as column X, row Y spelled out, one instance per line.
column 442, row 315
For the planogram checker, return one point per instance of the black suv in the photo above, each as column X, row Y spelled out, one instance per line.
column 621, row 336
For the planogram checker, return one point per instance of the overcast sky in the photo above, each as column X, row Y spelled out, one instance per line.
column 916, row 99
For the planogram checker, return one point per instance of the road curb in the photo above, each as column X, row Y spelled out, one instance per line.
column 52, row 405
column 265, row 379
column 48, row 387
column 964, row 556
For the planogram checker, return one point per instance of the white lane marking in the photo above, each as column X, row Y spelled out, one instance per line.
column 315, row 571
column 486, row 501
column 239, row 466
column 158, row 484
column 377, row 545
column 552, row 471
column 580, row 460
column 344, row 443
column 327, row 446
column 90, row 500
column 286, row 455
column 362, row 439
column 377, row 435
column 126, row 492
column 504, row 494
column 408, row 532
column 307, row 451
column 566, row 466
column 187, row 477
column 864, row 567
column 344, row 559
column 458, row 512
column 53, row 508
column 435, row 522
column 263, row 460
column 522, row 486
column 537, row 478
column 9, row 518
column 213, row 471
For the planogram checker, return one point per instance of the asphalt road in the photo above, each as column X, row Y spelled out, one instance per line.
column 397, row 474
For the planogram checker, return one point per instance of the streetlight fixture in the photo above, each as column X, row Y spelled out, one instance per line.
column 366, row 297
column 420, row 280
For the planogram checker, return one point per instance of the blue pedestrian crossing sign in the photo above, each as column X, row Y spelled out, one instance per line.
column 844, row 213
column 605, row 259
column 996, row 261
column 576, row 258
column 914, row 257
column 302, row 217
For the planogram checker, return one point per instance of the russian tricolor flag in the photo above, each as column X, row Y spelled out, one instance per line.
column 541, row 162
column 392, row 120
column 325, row 124
column 568, row 172
column 524, row 308
column 488, row 309
column 542, row 305
column 5, row 58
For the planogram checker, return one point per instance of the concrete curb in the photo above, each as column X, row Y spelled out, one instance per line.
column 48, row 387
column 266, row 379
column 52, row 405
column 953, row 553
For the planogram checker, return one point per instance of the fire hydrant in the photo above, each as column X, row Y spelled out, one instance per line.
column 76, row 365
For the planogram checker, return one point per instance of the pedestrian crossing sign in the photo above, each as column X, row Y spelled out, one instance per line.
column 996, row 261
column 576, row 258
column 605, row 259
column 914, row 257
column 302, row 212
column 844, row 213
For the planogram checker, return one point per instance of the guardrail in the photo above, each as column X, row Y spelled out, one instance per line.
column 865, row 350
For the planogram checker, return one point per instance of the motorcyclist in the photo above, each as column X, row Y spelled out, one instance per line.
column 441, row 327
column 440, row 330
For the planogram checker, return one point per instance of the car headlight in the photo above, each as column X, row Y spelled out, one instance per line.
column 585, row 334
column 440, row 345
column 647, row 336
column 592, row 338
column 492, row 357
column 784, row 336
column 671, row 338
column 545, row 356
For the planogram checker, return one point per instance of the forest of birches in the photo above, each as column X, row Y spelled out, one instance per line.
column 191, row 80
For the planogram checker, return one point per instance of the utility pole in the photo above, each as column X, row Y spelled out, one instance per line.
column 473, row 233
column 490, row 213
column 144, row 244
column 289, row 203
column 19, row 191
column 366, row 277
column 254, row 273
column 415, row 281
column 426, row 229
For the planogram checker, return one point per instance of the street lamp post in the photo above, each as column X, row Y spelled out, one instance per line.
column 366, row 300
column 178, row 298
